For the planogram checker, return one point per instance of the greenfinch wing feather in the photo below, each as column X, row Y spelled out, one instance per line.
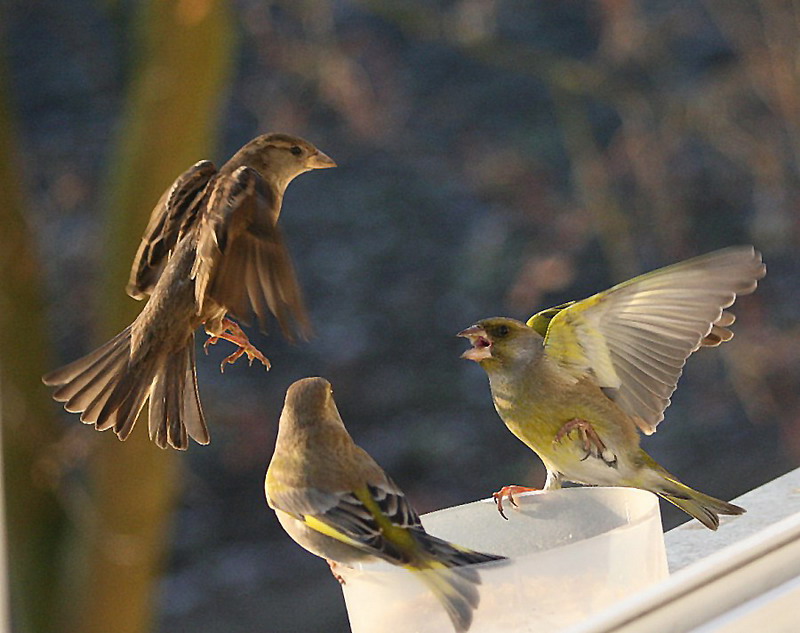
column 299, row 501
column 634, row 338
column 541, row 320
column 373, row 519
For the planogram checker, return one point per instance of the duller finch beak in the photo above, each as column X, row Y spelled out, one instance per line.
column 320, row 160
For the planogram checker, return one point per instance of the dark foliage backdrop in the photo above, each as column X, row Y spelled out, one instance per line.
column 495, row 157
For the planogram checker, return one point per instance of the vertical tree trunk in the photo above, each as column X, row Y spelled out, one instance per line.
column 183, row 61
column 35, row 521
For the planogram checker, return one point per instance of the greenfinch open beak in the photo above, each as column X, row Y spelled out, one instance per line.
column 481, row 345
column 320, row 160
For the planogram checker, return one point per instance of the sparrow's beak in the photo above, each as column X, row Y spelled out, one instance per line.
column 319, row 160
column 481, row 345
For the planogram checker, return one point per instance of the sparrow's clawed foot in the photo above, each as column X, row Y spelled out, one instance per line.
column 231, row 332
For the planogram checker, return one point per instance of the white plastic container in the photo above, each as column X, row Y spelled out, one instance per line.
column 574, row 552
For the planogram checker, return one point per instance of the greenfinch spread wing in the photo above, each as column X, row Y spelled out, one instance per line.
column 634, row 338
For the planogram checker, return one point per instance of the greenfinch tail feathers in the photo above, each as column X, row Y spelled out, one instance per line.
column 458, row 595
column 702, row 507
column 454, row 585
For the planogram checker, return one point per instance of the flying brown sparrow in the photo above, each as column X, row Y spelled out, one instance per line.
column 212, row 247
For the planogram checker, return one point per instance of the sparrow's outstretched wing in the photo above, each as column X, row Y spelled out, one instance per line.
column 242, row 262
column 174, row 214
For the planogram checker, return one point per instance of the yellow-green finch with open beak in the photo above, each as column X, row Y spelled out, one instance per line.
column 579, row 381
column 334, row 500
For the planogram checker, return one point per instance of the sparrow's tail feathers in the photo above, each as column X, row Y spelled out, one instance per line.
column 109, row 391
column 175, row 413
column 89, row 384
column 73, row 377
column 455, row 586
column 702, row 507
column 121, row 402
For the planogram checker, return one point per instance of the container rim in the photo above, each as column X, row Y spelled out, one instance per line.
column 384, row 568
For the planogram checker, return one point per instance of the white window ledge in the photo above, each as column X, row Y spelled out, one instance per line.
column 744, row 577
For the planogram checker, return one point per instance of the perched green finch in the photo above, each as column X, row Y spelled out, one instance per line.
column 335, row 501
column 212, row 248
column 604, row 369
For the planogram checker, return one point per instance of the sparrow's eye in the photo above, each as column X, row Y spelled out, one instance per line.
column 501, row 331
column 296, row 150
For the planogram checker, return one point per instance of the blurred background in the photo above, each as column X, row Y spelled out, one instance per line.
column 495, row 157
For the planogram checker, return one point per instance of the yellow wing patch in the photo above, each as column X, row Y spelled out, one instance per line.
column 541, row 320
column 323, row 528
column 579, row 345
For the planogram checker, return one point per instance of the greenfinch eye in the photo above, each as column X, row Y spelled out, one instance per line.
column 501, row 331
column 296, row 150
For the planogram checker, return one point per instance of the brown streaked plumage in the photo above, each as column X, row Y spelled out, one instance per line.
column 212, row 247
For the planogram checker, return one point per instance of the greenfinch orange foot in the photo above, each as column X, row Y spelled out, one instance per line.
column 508, row 492
column 334, row 567
column 592, row 443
